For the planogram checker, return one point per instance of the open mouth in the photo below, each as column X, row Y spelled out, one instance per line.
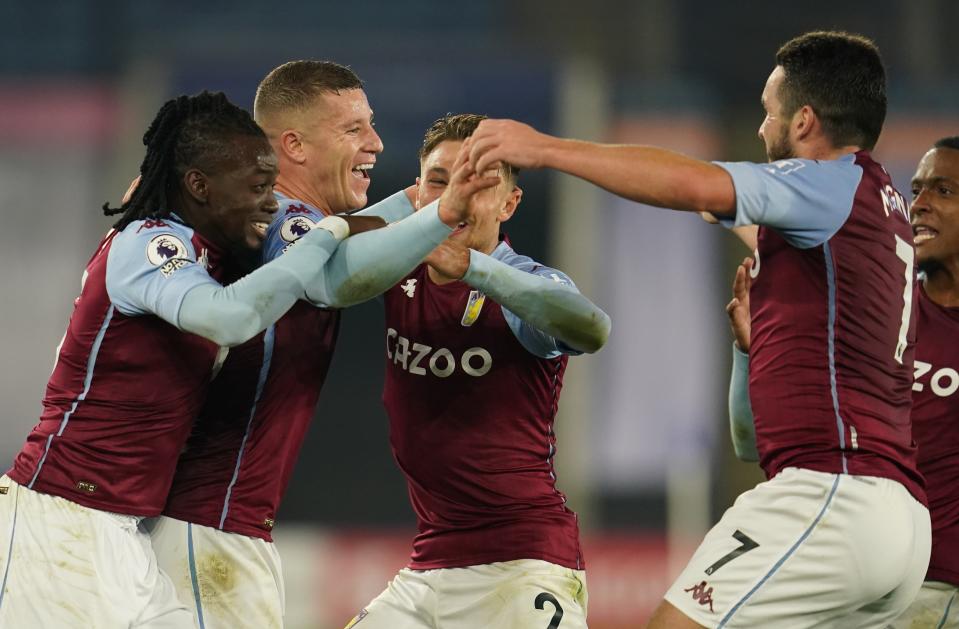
column 362, row 171
column 260, row 228
column 922, row 233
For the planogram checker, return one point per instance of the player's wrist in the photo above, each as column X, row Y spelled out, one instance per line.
column 336, row 225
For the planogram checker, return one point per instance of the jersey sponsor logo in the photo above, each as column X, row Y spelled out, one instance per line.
column 943, row 382
column 474, row 305
column 296, row 227
column 165, row 247
column 409, row 288
column 702, row 594
column 419, row 359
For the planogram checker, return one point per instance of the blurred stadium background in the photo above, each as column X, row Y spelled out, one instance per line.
column 643, row 446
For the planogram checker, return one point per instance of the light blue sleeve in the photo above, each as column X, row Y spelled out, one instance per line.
column 367, row 264
column 542, row 306
column 291, row 223
column 393, row 208
column 741, row 426
column 151, row 266
column 806, row 201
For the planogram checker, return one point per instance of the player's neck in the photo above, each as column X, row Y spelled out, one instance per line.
column 825, row 151
column 295, row 190
column 941, row 285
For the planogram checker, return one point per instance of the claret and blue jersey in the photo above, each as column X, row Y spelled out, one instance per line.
column 833, row 328
column 127, row 383
column 471, row 392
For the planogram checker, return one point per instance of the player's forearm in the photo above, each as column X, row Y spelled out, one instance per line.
column 741, row 426
column 367, row 264
column 393, row 208
column 646, row 174
column 554, row 308
column 230, row 315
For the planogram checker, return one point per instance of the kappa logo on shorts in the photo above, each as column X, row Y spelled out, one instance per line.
column 702, row 594
column 296, row 227
column 356, row 619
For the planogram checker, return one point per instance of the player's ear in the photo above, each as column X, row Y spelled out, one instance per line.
column 512, row 202
column 197, row 185
column 291, row 144
column 804, row 122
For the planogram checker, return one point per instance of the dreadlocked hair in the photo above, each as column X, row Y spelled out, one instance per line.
column 188, row 132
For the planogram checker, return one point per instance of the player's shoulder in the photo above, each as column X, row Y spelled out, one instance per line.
column 507, row 255
column 293, row 220
column 156, row 239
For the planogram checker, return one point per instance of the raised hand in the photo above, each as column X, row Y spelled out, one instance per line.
column 738, row 309
column 496, row 141
column 450, row 259
column 464, row 182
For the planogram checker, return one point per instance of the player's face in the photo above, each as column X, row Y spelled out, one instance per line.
column 774, row 131
column 341, row 147
column 935, row 207
column 488, row 208
column 240, row 201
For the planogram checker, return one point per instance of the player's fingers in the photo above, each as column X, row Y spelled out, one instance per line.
column 731, row 307
column 484, row 154
column 478, row 183
column 709, row 217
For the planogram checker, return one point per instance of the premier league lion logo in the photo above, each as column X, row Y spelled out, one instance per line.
column 165, row 247
column 296, row 227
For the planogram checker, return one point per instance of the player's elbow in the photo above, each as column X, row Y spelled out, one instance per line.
column 595, row 332
column 232, row 327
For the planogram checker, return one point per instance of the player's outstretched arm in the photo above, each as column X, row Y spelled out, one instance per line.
column 547, row 304
column 742, row 429
column 230, row 315
column 366, row 265
column 645, row 174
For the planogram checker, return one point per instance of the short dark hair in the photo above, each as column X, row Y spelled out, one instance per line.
column 296, row 84
column 950, row 142
column 841, row 76
column 188, row 132
column 456, row 127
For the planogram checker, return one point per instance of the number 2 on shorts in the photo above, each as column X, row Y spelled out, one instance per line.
column 748, row 544
column 546, row 597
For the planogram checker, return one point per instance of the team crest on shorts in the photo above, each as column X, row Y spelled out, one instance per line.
column 363, row 613
column 296, row 227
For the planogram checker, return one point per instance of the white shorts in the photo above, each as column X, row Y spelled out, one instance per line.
column 228, row 580
column 936, row 607
column 65, row 565
column 809, row 549
column 506, row 595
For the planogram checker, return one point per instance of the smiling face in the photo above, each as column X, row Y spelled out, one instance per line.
column 935, row 207
column 238, row 195
column 340, row 146
column 774, row 130
column 488, row 208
